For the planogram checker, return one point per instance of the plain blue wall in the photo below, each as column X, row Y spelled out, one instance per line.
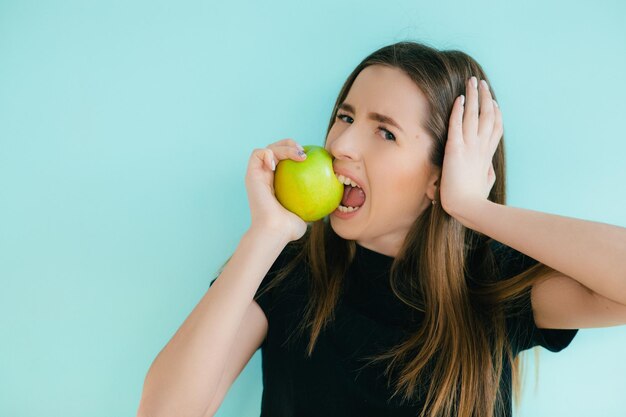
column 125, row 131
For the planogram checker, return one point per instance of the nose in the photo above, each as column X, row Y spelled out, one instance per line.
column 345, row 146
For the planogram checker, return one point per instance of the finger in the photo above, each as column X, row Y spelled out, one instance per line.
column 470, row 116
column 264, row 158
column 455, row 130
column 268, row 158
column 498, row 129
column 288, row 151
column 288, row 141
column 486, row 119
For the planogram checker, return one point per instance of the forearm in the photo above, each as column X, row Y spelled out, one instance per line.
column 185, row 374
column 592, row 253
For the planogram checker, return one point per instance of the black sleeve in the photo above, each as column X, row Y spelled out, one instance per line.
column 523, row 331
column 266, row 300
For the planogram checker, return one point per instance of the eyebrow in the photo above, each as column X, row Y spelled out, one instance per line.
column 372, row 115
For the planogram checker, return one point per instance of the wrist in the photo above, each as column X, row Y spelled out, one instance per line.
column 471, row 212
column 268, row 234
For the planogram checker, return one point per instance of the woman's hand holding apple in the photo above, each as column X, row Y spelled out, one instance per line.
column 266, row 212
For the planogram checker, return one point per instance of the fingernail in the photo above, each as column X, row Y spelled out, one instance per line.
column 302, row 154
column 484, row 83
column 300, row 148
column 462, row 100
column 273, row 165
column 495, row 103
column 474, row 81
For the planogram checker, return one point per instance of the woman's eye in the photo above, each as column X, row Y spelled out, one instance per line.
column 388, row 135
column 339, row 116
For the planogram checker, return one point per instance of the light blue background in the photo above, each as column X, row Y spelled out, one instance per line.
column 125, row 131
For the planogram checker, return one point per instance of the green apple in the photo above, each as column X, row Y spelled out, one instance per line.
column 308, row 188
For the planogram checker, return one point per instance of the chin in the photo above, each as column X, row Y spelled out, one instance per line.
column 343, row 232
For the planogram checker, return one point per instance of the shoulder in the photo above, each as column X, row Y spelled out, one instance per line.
column 521, row 324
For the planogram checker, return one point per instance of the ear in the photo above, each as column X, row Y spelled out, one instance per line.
column 433, row 184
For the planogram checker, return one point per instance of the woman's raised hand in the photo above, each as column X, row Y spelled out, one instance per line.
column 474, row 133
column 266, row 212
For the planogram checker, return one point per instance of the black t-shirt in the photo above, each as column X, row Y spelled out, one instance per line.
column 368, row 320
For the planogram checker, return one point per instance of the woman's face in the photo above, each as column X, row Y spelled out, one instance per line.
column 391, row 165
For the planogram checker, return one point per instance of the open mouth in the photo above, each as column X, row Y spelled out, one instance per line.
column 353, row 195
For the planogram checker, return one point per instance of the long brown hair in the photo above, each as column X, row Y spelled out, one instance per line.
column 461, row 344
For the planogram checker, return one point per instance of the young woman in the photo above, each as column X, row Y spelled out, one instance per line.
column 416, row 299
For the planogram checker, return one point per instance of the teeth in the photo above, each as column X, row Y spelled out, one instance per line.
column 348, row 209
column 347, row 181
